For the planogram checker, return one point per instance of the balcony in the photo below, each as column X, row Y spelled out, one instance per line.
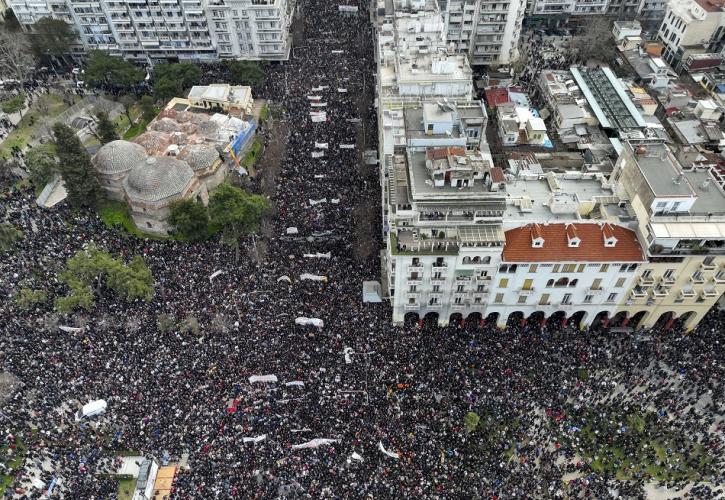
column 697, row 278
column 464, row 278
column 565, row 306
column 435, row 306
column 412, row 307
column 440, row 268
column 410, row 243
column 525, row 291
column 414, row 281
column 687, row 293
column 483, row 278
column 415, row 268
column 438, row 281
column 646, row 280
column 707, row 267
column 458, row 307
column 709, row 292
column 719, row 278
column 660, row 292
column 639, row 292
column 669, row 280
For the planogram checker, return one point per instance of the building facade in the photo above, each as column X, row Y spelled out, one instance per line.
column 168, row 30
column 691, row 27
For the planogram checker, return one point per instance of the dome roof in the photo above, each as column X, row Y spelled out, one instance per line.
column 165, row 125
column 117, row 157
column 199, row 156
column 158, row 177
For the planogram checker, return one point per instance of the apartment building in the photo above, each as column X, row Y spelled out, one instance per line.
column 680, row 215
column 691, row 27
column 163, row 30
column 552, row 12
column 487, row 31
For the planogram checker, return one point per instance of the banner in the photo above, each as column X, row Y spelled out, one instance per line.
column 314, row 443
column 262, row 378
column 388, row 453
column 309, row 321
column 215, row 274
column 255, row 439
column 313, row 277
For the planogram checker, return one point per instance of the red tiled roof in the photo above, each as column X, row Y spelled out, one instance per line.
column 440, row 153
column 497, row 175
column 556, row 246
column 495, row 97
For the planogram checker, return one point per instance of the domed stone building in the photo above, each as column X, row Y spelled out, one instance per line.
column 204, row 160
column 154, row 184
column 113, row 162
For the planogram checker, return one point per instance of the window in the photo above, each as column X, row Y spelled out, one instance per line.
column 561, row 282
column 604, row 268
column 566, row 299
column 620, row 283
column 499, row 298
column 477, row 300
column 458, row 300
column 544, row 300
column 670, row 273
column 581, row 268
column 647, row 273
column 522, row 299
column 533, row 268
column 411, row 300
column 588, row 299
column 481, row 288
column 528, row 284
column 413, row 288
column 556, row 268
column 568, row 268
column 550, row 283
column 597, row 284
column 623, row 268
column 573, row 282
column 503, row 283
column 437, row 275
column 436, row 288
column 460, row 288
column 708, row 261
column 612, row 297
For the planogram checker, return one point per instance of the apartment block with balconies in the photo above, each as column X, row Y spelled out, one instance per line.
column 681, row 223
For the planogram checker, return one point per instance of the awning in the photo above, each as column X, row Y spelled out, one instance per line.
column 464, row 272
column 487, row 233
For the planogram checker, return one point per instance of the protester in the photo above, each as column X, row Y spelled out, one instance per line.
column 392, row 400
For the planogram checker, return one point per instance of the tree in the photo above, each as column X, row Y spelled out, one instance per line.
column 16, row 60
column 148, row 111
column 596, row 42
column 237, row 213
column 28, row 298
column 190, row 218
column 471, row 421
column 15, row 104
column 245, row 73
column 105, row 129
column 91, row 270
column 165, row 323
column 52, row 37
column 74, row 165
column 170, row 80
column 8, row 237
column 6, row 169
column 41, row 165
column 103, row 68
column 127, row 101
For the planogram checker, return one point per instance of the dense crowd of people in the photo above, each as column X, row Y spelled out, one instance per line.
column 390, row 400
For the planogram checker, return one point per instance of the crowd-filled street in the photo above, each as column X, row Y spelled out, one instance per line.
column 391, row 400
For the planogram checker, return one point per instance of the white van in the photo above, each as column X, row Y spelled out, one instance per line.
column 97, row 407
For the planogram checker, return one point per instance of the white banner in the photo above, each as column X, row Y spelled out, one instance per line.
column 342, row 91
column 314, row 97
column 70, row 329
column 355, row 456
column 335, row 201
column 284, row 278
column 318, row 255
column 292, row 230
column 313, row 277
column 318, row 154
column 347, row 146
column 314, row 443
column 320, row 88
column 297, row 383
column 262, row 378
column 319, row 176
column 309, row 321
column 337, row 52
column 321, row 145
column 255, row 439
column 318, row 202
column 347, row 351
column 318, row 104
column 215, row 274
column 388, row 453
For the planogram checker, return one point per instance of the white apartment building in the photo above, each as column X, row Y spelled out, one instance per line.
column 162, row 30
column 691, row 27
column 487, row 31
column 557, row 11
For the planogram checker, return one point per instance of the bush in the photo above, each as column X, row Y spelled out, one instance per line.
column 165, row 322
column 27, row 298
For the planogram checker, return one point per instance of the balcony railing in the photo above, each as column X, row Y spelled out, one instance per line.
column 525, row 291
column 437, row 305
column 412, row 307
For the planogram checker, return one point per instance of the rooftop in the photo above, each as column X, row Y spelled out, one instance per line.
column 662, row 172
column 710, row 197
column 556, row 247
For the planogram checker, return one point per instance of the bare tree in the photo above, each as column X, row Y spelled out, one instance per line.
column 16, row 59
